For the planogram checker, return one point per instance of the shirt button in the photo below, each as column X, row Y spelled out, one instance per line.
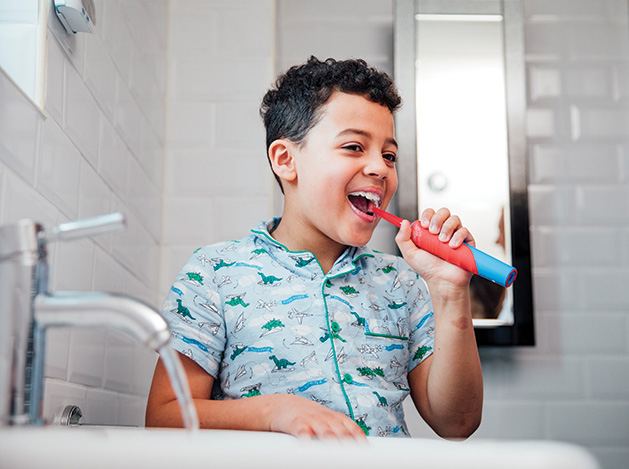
column 348, row 378
column 335, row 326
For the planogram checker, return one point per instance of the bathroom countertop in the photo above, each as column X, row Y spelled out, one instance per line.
column 111, row 447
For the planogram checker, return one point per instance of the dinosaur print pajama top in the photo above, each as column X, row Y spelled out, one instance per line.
column 263, row 320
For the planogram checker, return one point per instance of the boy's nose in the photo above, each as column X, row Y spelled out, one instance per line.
column 376, row 167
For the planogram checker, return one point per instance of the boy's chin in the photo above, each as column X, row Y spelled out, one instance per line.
column 359, row 239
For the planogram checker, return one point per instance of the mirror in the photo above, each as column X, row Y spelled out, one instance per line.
column 460, row 68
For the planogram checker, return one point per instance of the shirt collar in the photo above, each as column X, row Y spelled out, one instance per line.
column 347, row 262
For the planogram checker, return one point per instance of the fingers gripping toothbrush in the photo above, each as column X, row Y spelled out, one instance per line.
column 465, row 256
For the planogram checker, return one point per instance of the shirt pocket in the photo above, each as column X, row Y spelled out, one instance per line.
column 398, row 331
column 386, row 343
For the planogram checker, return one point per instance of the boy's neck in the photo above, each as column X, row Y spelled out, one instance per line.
column 299, row 238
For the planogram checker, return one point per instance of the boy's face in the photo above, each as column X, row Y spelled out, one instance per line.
column 347, row 158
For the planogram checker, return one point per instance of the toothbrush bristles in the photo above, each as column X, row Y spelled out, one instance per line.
column 370, row 208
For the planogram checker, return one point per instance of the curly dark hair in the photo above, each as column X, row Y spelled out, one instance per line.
column 293, row 106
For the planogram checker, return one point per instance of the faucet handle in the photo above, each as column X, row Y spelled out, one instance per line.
column 87, row 227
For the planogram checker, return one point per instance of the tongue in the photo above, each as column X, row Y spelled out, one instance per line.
column 361, row 203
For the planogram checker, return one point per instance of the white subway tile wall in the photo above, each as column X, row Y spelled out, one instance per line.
column 98, row 147
column 217, row 184
column 19, row 122
column 58, row 168
column 57, row 355
column 173, row 87
column 577, row 53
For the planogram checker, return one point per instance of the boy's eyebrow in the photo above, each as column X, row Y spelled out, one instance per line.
column 364, row 133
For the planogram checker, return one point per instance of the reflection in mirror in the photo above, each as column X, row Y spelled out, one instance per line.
column 460, row 65
column 462, row 136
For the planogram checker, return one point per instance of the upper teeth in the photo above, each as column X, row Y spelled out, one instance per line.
column 375, row 198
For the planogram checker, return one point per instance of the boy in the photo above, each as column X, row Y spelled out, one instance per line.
column 299, row 328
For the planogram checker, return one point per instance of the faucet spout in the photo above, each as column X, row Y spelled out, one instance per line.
column 97, row 309
column 88, row 309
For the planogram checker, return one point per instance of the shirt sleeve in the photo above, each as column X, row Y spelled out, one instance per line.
column 422, row 321
column 194, row 313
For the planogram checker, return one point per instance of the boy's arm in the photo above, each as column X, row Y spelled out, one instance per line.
column 284, row 413
column 447, row 387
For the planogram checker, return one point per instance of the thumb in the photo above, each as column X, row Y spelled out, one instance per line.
column 403, row 237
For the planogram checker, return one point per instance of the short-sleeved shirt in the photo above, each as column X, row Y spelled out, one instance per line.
column 262, row 319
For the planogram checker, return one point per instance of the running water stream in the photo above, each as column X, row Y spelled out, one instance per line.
column 179, row 382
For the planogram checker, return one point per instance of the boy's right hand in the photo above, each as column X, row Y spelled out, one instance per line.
column 435, row 271
column 304, row 418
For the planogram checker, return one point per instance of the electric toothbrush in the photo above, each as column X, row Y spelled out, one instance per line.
column 465, row 256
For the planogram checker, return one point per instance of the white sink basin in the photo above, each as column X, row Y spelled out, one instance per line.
column 113, row 447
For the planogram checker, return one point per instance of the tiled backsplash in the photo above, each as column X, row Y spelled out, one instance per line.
column 177, row 91
column 98, row 148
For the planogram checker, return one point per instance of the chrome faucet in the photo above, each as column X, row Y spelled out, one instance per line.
column 28, row 309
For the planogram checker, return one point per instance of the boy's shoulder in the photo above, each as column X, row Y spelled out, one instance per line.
column 223, row 252
column 225, row 247
column 234, row 247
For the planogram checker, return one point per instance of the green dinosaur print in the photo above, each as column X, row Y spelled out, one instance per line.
column 387, row 269
column 281, row 363
column 421, row 351
column 238, row 350
column 328, row 283
column 183, row 311
column 195, row 277
column 272, row 324
column 334, row 335
column 271, row 279
column 259, row 252
column 235, row 301
column 303, row 262
column 360, row 321
column 382, row 400
column 221, row 264
column 395, row 305
column 349, row 290
column 251, row 393
column 400, row 386
column 370, row 372
column 363, row 426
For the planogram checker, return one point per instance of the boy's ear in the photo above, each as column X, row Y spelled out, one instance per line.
column 282, row 160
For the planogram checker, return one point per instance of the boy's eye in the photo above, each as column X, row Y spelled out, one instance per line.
column 392, row 157
column 353, row 147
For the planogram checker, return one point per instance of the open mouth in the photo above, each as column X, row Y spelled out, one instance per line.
column 363, row 200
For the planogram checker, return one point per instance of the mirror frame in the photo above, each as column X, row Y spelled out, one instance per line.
column 522, row 331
